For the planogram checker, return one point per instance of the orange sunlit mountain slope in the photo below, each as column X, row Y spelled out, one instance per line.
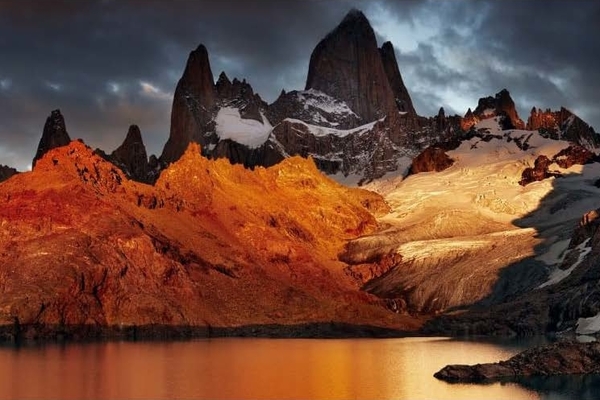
column 211, row 244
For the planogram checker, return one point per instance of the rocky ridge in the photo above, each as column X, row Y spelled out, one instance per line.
column 501, row 105
column 560, row 358
column 355, row 117
column 208, row 247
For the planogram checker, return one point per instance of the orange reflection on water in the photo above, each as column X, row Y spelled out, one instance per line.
column 249, row 368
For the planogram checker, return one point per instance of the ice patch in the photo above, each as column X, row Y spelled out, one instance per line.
column 320, row 131
column 555, row 254
column 559, row 274
column 249, row 132
column 587, row 326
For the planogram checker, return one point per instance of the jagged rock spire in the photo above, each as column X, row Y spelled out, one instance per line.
column 193, row 103
column 54, row 135
column 401, row 96
column 131, row 156
column 347, row 65
column 501, row 105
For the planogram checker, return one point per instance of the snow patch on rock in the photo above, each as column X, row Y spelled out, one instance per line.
column 587, row 326
column 322, row 101
column 249, row 132
column 559, row 274
column 321, row 131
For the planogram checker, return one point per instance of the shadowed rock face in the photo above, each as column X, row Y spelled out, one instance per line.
column 54, row 135
column 131, row 155
column 557, row 359
column 6, row 172
column 401, row 96
column 193, row 103
column 347, row 65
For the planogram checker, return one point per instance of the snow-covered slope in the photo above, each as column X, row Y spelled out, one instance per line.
column 471, row 232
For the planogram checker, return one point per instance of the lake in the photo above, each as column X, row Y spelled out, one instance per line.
column 268, row 368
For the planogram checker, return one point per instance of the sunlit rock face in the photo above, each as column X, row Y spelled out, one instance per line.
column 563, row 125
column 501, row 105
column 431, row 159
column 210, row 244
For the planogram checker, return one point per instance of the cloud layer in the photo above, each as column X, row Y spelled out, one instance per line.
column 108, row 64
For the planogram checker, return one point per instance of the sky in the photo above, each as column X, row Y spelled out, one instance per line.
column 107, row 64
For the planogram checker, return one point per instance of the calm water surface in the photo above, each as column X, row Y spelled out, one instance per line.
column 267, row 368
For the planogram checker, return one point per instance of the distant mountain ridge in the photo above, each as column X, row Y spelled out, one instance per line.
column 355, row 117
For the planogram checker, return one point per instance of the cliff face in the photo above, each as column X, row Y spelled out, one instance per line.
column 193, row 104
column 347, row 65
column 211, row 244
column 353, row 117
column 390, row 65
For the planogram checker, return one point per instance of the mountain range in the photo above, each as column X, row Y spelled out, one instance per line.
column 250, row 220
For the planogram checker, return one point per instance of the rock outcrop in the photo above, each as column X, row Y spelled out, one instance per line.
column 131, row 156
column 6, row 172
column 347, row 65
column 565, row 158
column 431, row 159
column 500, row 105
column 572, row 155
column 562, row 358
column 563, row 125
column 54, row 135
column 539, row 172
column 196, row 104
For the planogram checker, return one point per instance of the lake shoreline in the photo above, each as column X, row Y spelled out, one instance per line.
column 41, row 333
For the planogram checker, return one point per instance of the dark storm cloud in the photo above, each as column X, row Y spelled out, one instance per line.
column 108, row 64
column 545, row 52
column 92, row 60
